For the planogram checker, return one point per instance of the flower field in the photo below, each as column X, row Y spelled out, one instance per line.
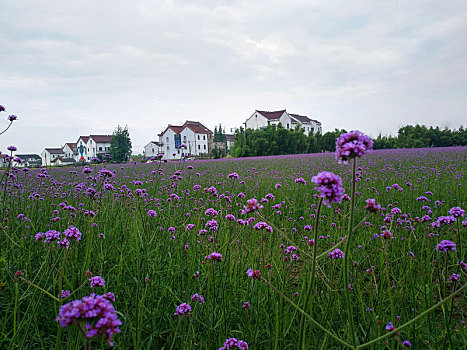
column 281, row 252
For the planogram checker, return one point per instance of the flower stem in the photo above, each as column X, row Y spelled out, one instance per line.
column 346, row 257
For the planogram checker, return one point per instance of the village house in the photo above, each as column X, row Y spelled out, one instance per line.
column 152, row 149
column 28, row 160
column 93, row 146
column 261, row 119
column 195, row 136
column 69, row 149
column 48, row 155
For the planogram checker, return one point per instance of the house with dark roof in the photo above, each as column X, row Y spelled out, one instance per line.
column 69, row 149
column 92, row 146
column 196, row 138
column 28, row 160
column 48, row 155
column 152, row 149
column 261, row 119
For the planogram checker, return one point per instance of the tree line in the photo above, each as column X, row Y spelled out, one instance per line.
column 276, row 140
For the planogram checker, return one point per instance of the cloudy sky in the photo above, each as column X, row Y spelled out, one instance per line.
column 71, row 68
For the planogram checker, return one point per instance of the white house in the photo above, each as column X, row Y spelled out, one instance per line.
column 261, row 119
column 61, row 161
column 69, row 149
column 50, row 154
column 93, row 146
column 28, row 160
column 230, row 140
column 195, row 136
column 152, row 149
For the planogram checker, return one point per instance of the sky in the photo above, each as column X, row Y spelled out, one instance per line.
column 71, row 68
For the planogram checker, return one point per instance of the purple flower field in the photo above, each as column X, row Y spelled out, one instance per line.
column 281, row 252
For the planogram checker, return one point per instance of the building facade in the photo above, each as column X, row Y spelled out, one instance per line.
column 261, row 119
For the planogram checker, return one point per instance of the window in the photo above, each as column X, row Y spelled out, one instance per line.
column 153, row 150
column 184, row 138
column 100, row 148
column 287, row 126
column 198, row 137
column 167, row 139
column 204, row 146
column 204, row 138
column 199, row 147
column 167, row 148
column 178, row 151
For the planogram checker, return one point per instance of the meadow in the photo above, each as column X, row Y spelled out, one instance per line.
column 179, row 256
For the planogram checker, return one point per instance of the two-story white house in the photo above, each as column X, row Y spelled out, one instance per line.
column 93, row 146
column 69, row 149
column 49, row 155
column 261, row 119
column 195, row 136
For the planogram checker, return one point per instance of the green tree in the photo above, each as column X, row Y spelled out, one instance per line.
column 120, row 145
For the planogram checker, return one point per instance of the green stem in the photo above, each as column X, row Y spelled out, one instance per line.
column 434, row 307
column 39, row 288
column 325, row 330
column 346, row 258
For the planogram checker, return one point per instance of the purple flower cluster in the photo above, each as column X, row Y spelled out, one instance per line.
column 214, row 256
column 352, row 144
column 252, row 205
column 336, row 254
column 457, row 212
column 445, row 246
column 372, row 207
column 232, row 343
column 71, row 233
column 97, row 281
column 260, row 225
column 182, row 309
column 255, row 274
column 197, row 297
column 330, row 186
column 98, row 314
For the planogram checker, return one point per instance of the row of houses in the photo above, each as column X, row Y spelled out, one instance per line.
column 191, row 139
column 198, row 139
column 85, row 149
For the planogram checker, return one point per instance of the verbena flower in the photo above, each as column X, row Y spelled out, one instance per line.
column 330, row 186
column 336, row 254
column 97, row 281
column 255, row 274
column 445, row 246
column 182, row 309
column 214, row 256
column 197, row 297
column 371, row 206
column 252, row 205
column 96, row 312
column 232, row 343
column 351, row 145
column 457, row 212
column 152, row 213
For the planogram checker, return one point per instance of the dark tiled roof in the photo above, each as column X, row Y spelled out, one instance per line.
column 301, row 118
column 55, row 150
column 197, row 127
column 71, row 145
column 101, row 138
column 29, row 156
column 84, row 138
column 230, row 137
column 271, row 115
column 174, row 128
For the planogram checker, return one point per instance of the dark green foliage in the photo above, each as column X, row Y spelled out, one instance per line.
column 120, row 145
column 421, row 136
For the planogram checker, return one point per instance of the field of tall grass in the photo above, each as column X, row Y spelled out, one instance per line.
column 237, row 253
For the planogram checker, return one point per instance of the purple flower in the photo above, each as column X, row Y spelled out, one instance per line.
column 2, row 108
column 264, row 225
column 214, row 256
column 390, row 327
column 197, row 297
column 11, row 148
column 255, row 274
column 330, row 186
column 300, row 180
column 336, row 254
column 232, row 343
column 371, row 206
column 182, row 309
column 72, row 232
column 457, row 212
column 233, row 176
column 96, row 312
column 406, row 343
column 109, row 296
column 65, row 294
column 445, row 246
column 12, row 117
column 352, row 144
column 152, row 213
column 97, row 281
column 246, row 305
column 252, row 205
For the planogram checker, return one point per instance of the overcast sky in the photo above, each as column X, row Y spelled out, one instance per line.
column 71, row 68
